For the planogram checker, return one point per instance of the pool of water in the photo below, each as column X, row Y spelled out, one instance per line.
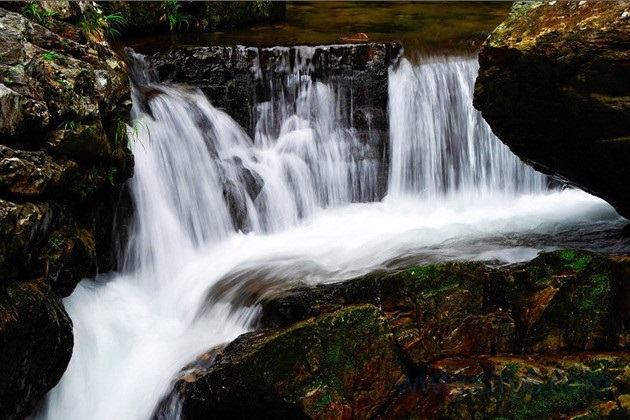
column 422, row 27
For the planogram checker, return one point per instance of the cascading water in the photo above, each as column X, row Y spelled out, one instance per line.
column 221, row 217
column 440, row 145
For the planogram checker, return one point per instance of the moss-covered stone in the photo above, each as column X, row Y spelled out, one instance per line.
column 535, row 387
column 444, row 344
column 335, row 365
column 565, row 299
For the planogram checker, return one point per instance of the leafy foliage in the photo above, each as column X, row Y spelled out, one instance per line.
column 35, row 12
column 173, row 15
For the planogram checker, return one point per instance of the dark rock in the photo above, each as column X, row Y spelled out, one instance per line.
column 35, row 345
column 554, row 86
column 22, row 236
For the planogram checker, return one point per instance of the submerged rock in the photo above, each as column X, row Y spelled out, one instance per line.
column 454, row 340
column 554, row 86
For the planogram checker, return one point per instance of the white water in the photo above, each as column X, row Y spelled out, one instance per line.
column 455, row 193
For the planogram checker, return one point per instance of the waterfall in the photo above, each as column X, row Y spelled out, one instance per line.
column 440, row 145
column 222, row 218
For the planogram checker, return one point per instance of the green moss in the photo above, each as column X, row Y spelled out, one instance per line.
column 50, row 56
column 324, row 402
column 323, row 353
column 575, row 260
column 595, row 294
column 511, row 370
column 546, row 403
column 437, row 278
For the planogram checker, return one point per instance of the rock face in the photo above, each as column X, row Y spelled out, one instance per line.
column 238, row 79
column 554, row 86
column 64, row 102
column 456, row 340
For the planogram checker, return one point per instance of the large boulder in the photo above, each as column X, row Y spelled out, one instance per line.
column 455, row 340
column 64, row 103
column 554, row 86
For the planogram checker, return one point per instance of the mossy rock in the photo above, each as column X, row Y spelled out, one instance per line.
column 566, row 299
column 331, row 366
column 514, row 387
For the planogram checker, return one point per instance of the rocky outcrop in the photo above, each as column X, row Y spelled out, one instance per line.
column 64, row 102
column 455, row 340
column 554, row 86
column 237, row 79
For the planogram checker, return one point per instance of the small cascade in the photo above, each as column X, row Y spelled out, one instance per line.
column 440, row 145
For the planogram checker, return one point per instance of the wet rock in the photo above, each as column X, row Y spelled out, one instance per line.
column 454, row 340
column 35, row 345
column 28, row 174
column 563, row 300
column 566, row 300
column 64, row 99
column 22, row 235
column 561, row 385
column 554, row 86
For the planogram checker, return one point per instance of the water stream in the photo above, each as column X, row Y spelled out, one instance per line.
column 221, row 217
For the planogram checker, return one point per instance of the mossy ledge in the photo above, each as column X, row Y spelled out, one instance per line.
column 452, row 340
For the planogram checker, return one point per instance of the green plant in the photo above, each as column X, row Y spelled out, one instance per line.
column 173, row 15
column 126, row 131
column 93, row 23
column 33, row 11
column 68, row 125
column 116, row 22
column 61, row 81
column 111, row 176
column 50, row 56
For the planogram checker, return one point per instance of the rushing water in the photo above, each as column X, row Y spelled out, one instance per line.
column 218, row 211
